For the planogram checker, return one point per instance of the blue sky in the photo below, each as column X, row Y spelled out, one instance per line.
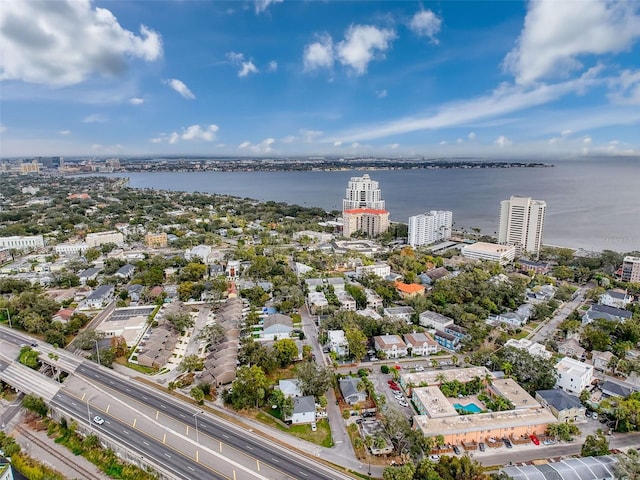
column 450, row 78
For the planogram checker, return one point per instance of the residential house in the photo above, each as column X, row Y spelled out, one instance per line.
column 420, row 344
column 125, row 272
column 347, row 302
column 378, row 269
column 541, row 294
column 99, row 298
column 276, row 327
column 409, row 290
column 403, row 313
column 88, row 274
column 391, row 345
column 429, row 319
column 517, row 319
column 571, row 348
column 370, row 313
column 350, row 391
column 135, row 292
column 573, row 375
column 290, row 388
column 534, row 349
column 540, row 268
column 436, row 274
column 337, row 342
column 611, row 388
column 597, row 311
column 373, row 299
column 601, row 360
column 304, row 410
column 566, row 408
column 615, row 298
column 447, row 340
column 457, row 331
column 63, row 315
column 316, row 302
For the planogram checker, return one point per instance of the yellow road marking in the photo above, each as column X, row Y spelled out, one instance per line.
column 187, row 434
column 108, row 407
column 164, row 439
column 258, row 464
column 157, row 414
column 197, row 456
column 134, row 422
column 84, row 395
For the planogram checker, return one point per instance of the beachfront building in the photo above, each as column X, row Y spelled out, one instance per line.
column 19, row 242
column 362, row 192
column 502, row 254
column 521, row 224
column 102, row 238
column 630, row 269
column 430, row 227
column 372, row 222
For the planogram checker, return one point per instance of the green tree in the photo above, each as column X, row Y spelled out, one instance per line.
column 595, row 445
column 403, row 472
column 249, row 387
column 313, row 379
column 87, row 338
column 192, row 272
column 29, row 357
column 286, row 351
column 35, row 404
column 92, row 254
column 357, row 342
column 197, row 394
column 628, row 466
column 191, row 363
column 180, row 320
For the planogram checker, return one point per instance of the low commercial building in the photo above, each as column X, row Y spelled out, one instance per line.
column 129, row 323
column 502, row 254
column 102, row 238
column 429, row 319
column 437, row 377
column 403, row 313
column 378, row 269
column 586, row 468
column 71, row 249
column 156, row 240
column 20, row 242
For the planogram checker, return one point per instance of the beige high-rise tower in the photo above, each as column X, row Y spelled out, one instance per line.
column 521, row 224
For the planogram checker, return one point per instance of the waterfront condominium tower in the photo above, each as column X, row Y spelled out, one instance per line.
column 521, row 224
column 362, row 192
column 363, row 208
column 431, row 227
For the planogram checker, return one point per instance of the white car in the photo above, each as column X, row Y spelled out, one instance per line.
column 98, row 420
column 434, row 458
column 403, row 403
column 419, row 368
column 314, row 427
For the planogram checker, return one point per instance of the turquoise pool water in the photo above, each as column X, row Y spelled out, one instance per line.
column 469, row 407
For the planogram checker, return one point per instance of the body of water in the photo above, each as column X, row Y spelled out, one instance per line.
column 591, row 203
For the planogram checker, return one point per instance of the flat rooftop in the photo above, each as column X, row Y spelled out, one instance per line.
column 429, row 377
column 434, row 402
column 512, row 391
column 483, row 421
column 491, row 248
column 120, row 314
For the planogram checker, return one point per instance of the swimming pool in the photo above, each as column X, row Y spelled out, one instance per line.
column 469, row 407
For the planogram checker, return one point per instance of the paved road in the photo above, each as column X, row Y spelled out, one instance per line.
column 268, row 454
column 548, row 328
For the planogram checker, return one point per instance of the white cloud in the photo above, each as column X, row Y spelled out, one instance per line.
column 181, row 88
column 288, row 139
column 2, row 128
column 393, row 146
column 566, row 133
column 262, row 5
column 381, row 93
column 318, row 54
column 587, row 140
column 204, row 133
column 503, row 141
column 425, row 23
column 310, row 135
column 65, row 132
column 337, row 143
column 264, row 146
column 556, row 34
column 626, row 88
column 362, row 44
column 503, row 100
column 472, row 136
column 94, row 118
column 459, row 141
column 64, row 42
column 273, row 66
column 245, row 66
column 355, row 145
column 443, row 142
column 136, row 101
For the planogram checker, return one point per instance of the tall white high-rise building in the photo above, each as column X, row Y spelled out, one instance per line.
column 521, row 224
column 431, row 227
column 631, row 269
column 362, row 192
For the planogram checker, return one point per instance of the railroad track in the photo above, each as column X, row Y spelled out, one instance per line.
column 82, row 472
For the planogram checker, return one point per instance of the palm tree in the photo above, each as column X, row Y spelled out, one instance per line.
column 434, row 363
column 441, row 378
column 507, row 368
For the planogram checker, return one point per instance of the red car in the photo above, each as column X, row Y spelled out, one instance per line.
column 394, row 387
column 534, row 439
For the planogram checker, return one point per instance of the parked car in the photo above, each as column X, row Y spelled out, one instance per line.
column 549, row 442
column 594, row 415
column 419, row 368
column 534, row 439
column 314, row 427
column 434, row 458
column 98, row 420
column 481, row 446
column 394, row 386
column 403, row 403
column 507, row 443
column 456, row 450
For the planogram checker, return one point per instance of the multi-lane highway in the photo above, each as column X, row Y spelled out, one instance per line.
column 160, row 428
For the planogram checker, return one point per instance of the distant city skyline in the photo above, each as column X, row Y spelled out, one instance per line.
column 277, row 78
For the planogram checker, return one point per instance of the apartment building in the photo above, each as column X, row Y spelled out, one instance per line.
column 102, row 238
column 430, row 227
column 521, row 224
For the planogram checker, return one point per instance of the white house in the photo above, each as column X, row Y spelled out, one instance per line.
column 316, row 301
column 378, row 269
column 338, row 343
column 304, row 410
column 535, row 349
column 290, row 388
column 392, row 345
column 573, row 376
column 421, row 344
column 99, row 298
column 276, row 327
column 403, row 313
column 347, row 302
column 429, row 319
column 373, row 299
column 597, row 311
column 615, row 298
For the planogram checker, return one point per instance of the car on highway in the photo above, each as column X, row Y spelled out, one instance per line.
column 99, row 420
column 534, row 439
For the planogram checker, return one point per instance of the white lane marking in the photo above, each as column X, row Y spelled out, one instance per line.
column 275, row 460
column 145, row 443
column 167, row 455
column 250, row 448
column 182, row 415
column 125, row 432
column 225, row 435
column 190, row 468
column 304, row 474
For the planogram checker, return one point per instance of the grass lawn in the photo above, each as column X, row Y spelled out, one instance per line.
column 322, row 436
column 136, row 367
